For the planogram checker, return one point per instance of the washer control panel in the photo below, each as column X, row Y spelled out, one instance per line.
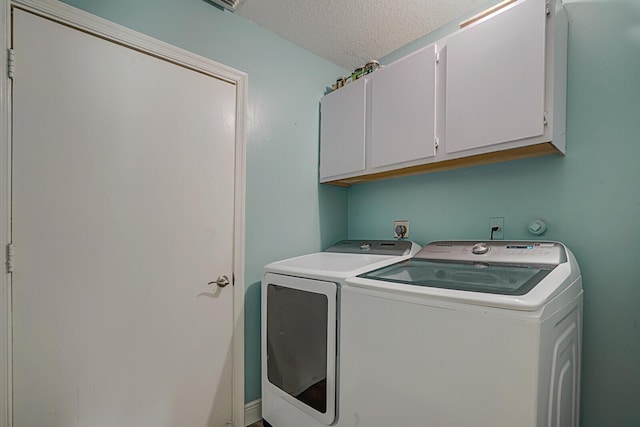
column 480, row 248
column 511, row 252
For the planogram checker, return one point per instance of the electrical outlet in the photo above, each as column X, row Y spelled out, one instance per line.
column 496, row 221
column 401, row 229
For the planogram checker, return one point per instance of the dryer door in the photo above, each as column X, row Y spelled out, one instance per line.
column 299, row 343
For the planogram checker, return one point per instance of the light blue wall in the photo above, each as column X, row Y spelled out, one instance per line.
column 590, row 199
column 287, row 212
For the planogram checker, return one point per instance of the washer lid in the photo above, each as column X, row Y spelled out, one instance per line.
column 493, row 278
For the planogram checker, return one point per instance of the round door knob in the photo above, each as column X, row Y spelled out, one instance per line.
column 221, row 281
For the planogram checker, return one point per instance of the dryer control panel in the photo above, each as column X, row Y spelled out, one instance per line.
column 492, row 251
column 373, row 247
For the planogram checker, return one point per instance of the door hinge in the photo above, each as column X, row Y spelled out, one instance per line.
column 437, row 142
column 11, row 62
column 9, row 255
column 545, row 118
column 548, row 7
column 437, row 57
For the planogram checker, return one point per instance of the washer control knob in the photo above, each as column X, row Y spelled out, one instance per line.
column 365, row 246
column 480, row 248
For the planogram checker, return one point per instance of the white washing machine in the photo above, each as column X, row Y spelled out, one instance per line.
column 300, row 328
column 465, row 334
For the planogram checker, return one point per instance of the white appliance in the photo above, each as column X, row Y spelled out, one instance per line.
column 301, row 332
column 465, row 334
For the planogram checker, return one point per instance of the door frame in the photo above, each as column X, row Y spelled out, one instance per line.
column 76, row 18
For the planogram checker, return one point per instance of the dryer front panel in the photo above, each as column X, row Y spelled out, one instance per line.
column 300, row 343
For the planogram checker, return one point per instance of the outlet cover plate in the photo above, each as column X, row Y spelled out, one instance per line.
column 499, row 221
column 403, row 223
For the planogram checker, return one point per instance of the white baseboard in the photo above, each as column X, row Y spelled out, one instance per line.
column 252, row 412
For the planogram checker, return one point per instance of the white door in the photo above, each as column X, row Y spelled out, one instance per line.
column 123, row 198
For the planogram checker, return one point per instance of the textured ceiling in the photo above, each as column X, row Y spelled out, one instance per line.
column 351, row 33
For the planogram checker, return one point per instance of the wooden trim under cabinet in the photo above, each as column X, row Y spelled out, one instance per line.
column 536, row 150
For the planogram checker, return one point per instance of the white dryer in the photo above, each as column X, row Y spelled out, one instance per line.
column 464, row 334
column 301, row 332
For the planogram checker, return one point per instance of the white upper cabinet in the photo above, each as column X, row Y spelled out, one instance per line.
column 342, row 131
column 495, row 85
column 494, row 90
column 403, row 110
column 382, row 121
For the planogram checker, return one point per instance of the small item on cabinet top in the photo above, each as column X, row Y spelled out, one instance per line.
column 338, row 84
column 371, row 66
column 357, row 73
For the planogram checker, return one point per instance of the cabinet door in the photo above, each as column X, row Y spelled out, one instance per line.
column 342, row 131
column 403, row 110
column 495, row 78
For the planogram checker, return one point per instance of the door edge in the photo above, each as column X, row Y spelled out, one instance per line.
column 5, row 217
column 92, row 24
